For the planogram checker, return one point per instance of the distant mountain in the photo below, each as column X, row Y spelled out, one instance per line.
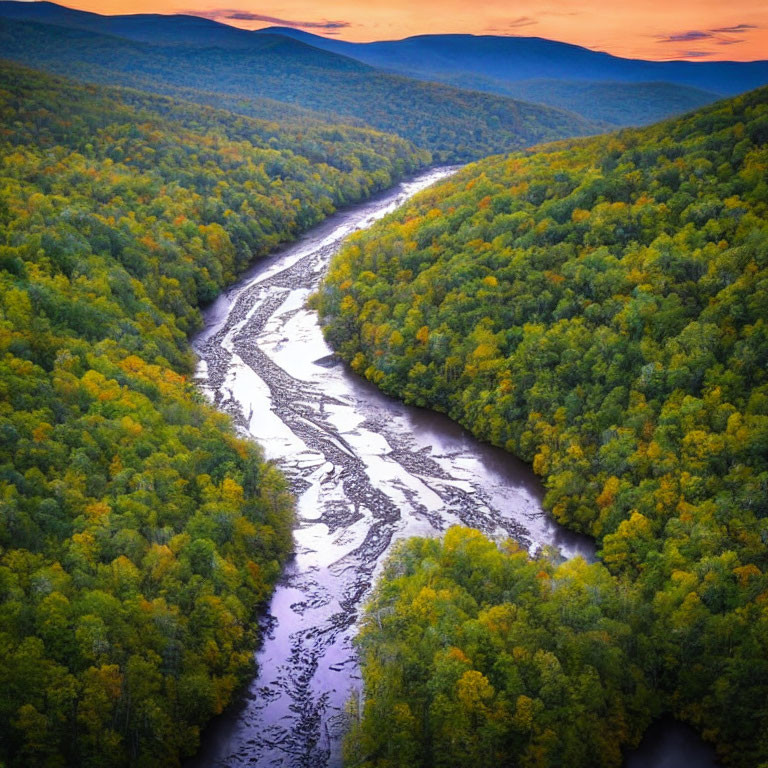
column 453, row 124
column 176, row 29
column 622, row 91
column 142, row 27
column 509, row 59
column 611, row 102
column 524, row 58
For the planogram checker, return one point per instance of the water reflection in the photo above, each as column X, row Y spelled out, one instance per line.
column 669, row 743
column 367, row 471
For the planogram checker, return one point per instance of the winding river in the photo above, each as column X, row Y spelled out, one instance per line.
column 366, row 470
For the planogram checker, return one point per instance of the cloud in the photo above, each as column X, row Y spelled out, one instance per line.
column 736, row 28
column 678, row 55
column 520, row 21
column 716, row 36
column 223, row 14
column 685, row 37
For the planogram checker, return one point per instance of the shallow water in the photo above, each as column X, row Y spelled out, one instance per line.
column 367, row 471
column 671, row 744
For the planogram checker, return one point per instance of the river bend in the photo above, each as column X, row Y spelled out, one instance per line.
column 366, row 471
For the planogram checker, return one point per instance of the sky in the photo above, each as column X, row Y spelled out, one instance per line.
column 704, row 30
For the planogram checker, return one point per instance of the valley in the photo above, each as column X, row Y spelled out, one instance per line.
column 368, row 472
column 391, row 404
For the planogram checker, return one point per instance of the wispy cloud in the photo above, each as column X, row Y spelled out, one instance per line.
column 685, row 37
column 522, row 21
column 717, row 35
column 506, row 26
column 224, row 14
column 737, row 28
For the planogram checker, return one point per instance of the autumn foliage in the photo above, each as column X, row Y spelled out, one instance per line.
column 600, row 308
column 139, row 537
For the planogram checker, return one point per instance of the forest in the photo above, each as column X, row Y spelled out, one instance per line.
column 598, row 307
column 139, row 537
column 450, row 123
column 612, row 103
column 477, row 657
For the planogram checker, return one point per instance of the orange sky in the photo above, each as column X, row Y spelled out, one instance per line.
column 706, row 30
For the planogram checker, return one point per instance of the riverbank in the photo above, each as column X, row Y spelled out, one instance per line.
column 367, row 471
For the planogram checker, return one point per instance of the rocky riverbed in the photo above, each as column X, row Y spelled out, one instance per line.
column 366, row 471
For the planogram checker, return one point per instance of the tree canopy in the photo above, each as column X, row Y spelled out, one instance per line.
column 476, row 657
column 600, row 308
column 139, row 537
column 451, row 123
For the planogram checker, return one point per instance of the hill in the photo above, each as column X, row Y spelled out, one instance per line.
column 141, row 27
column 524, row 58
column 598, row 86
column 139, row 537
column 612, row 103
column 602, row 88
column 451, row 123
column 599, row 308
column 496, row 57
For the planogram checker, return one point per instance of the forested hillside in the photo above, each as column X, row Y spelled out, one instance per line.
column 513, row 58
column 603, row 96
column 611, row 90
column 614, row 103
column 600, row 308
column 477, row 658
column 452, row 124
column 138, row 536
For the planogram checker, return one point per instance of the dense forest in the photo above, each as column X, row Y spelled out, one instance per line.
column 596, row 306
column 452, row 124
column 476, row 657
column 139, row 537
column 600, row 308
column 613, row 103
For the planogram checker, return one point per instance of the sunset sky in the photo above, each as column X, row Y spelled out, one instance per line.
column 652, row 29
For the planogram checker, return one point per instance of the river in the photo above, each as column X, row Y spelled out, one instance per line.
column 366, row 470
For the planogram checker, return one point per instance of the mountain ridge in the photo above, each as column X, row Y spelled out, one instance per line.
column 128, row 25
column 608, row 90
column 542, row 57
column 409, row 52
column 451, row 123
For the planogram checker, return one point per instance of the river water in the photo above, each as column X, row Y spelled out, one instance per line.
column 367, row 471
